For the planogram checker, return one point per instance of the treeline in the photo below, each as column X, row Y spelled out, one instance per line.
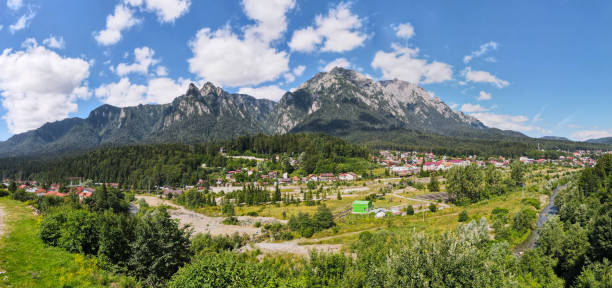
column 482, row 145
column 141, row 166
column 577, row 244
column 471, row 184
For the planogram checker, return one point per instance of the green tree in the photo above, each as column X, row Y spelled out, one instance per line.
column 434, row 185
column 228, row 209
column 464, row 184
column 12, row 186
column 160, row 247
column 463, row 216
column 277, row 194
column 433, row 207
column 409, row 210
column 596, row 275
column 116, row 232
column 80, row 232
column 517, row 173
column 524, row 220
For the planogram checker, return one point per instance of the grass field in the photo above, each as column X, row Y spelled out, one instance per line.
column 28, row 262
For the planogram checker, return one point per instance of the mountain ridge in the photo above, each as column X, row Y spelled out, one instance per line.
column 338, row 102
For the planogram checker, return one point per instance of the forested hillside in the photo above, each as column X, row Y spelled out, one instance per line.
column 176, row 164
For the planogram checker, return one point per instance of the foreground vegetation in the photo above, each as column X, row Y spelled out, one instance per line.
column 28, row 262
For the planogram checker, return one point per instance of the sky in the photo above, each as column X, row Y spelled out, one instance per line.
column 538, row 67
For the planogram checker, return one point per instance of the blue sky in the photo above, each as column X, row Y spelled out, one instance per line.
column 539, row 67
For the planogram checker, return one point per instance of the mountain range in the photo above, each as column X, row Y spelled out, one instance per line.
column 339, row 102
column 606, row 140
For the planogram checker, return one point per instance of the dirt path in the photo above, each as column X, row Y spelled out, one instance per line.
column 206, row 224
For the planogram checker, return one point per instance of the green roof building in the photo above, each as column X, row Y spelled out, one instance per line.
column 360, row 206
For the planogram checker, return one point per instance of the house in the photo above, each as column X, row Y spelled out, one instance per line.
column 429, row 166
column 380, row 213
column 327, row 177
column 311, row 177
column 272, row 174
column 347, row 176
column 362, row 207
column 56, row 194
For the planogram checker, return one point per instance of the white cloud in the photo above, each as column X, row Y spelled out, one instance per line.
column 271, row 92
column 299, row 70
column 124, row 93
column 14, row 4
column 224, row 59
column 269, row 16
column 404, row 30
column 484, row 48
column 161, row 71
column 484, row 96
column 340, row 62
column 478, row 76
column 591, row 134
column 471, row 108
column 509, row 122
column 166, row 10
column 338, row 31
column 164, row 90
column 1, row 27
column 54, row 42
column 123, row 18
column 296, row 72
column 402, row 64
column 22, row 22
column 38, row 86
column 143, row 59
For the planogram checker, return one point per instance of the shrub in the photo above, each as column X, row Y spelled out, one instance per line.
column 463, row 216
column 231, row 221
column 228, row 209
column 410, row 210
column 523, row 220
column 433, row 207
column 531, row 201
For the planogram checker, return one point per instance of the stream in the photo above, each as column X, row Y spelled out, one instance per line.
column 550, row 209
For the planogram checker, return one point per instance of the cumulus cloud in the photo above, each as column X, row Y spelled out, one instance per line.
column 271, row 92
column 143, row 59
column 484, row 96
column 591, row 134
column 22, row 22
column 470, row 108
column 338, row 31
column 478, row 76
column 123, row 18
column 166, row 10
column 124, row 93
column 508, row 122
column 340, row 62
column 484, row 48
column 404, row 30
column 14, row 4
column 402, row 63
column 54, row 42
column 225, row 58
column 38, row 86
column 296, row 72
column 269, row 16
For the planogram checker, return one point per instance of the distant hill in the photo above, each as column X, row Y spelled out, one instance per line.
column 607, row 140
column 555, row 138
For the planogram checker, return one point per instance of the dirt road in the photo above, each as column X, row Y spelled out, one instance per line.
column 206, row 224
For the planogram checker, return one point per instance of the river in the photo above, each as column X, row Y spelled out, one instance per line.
column 550, row 209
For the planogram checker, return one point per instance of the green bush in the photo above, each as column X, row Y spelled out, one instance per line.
column 433, row 207
column 410, row 210
column 231, row 221
column 531, row 201
column 463, row 216
column 524, row 220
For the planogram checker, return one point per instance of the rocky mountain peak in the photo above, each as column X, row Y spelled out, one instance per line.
column 210, row 88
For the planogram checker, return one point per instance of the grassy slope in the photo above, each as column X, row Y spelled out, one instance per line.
column 30, row 263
